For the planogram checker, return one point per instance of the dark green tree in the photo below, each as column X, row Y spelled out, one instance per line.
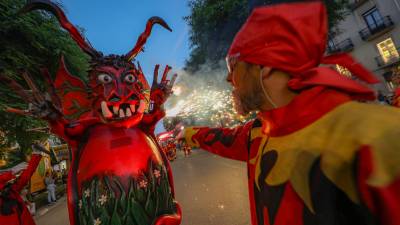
column 30, row 42
column 214, row 23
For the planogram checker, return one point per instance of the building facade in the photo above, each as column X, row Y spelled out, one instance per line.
column 371, row 33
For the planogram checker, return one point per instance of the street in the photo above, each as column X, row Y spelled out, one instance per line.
column 211, row 190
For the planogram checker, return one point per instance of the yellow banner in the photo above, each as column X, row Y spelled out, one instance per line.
column 37, row 179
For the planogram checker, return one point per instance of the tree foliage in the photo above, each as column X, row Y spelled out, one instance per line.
column 214, row 24
column 30, row 42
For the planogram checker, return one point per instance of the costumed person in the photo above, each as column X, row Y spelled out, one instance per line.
column 171, row 150
column 187, row 149
column 118, row 173
column 315, row 155
column 396, row 98
column 13, row 210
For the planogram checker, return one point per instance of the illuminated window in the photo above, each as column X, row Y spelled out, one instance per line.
column 388, row 50
column 344, row 71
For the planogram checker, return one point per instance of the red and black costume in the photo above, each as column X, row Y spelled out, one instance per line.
column 322, row 159
column 13, row 210
column 118, row 174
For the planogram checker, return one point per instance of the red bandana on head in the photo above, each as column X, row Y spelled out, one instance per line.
column 292, row 38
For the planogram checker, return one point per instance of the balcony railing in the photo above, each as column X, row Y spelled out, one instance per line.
column 388, row 60
column 373, row 30
column 343, row 46
column 356, row 3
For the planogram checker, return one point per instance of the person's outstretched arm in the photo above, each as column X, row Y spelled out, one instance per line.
column 26, row 175
column 226, row 142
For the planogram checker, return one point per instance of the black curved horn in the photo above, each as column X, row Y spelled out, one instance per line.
column 143, row 37
column 62, row 19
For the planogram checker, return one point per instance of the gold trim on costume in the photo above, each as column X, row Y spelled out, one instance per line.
column 189, row 133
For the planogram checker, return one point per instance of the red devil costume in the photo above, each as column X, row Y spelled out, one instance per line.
column 323, row 158
column 13, row 210
column 119, row 174
column 396, row 98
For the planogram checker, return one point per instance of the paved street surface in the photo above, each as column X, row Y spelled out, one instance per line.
column 56, row 214
column 211, row 190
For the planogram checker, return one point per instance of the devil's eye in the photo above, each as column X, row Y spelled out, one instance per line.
column 130, row 78
column 104, row 78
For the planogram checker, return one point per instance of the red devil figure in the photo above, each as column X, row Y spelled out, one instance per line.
column 118, row 174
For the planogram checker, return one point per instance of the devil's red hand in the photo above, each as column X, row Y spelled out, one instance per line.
column 40, row 105
column 160, row 91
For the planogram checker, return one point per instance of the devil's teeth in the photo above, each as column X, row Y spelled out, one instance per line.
column 128, row 112
column 132, row 108
column 142, row 106
column 115, row 109
column 121, row 113
column 104, row 109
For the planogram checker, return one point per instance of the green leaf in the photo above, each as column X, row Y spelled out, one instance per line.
column 150, row 205
column 85, row 206
column 139, row 213
column 107, row 181
column 131, row 193
column 123, row 201
column 83, row 218
column 115, row 218
column 104, row 216
column 93, row 194
column 140, row 193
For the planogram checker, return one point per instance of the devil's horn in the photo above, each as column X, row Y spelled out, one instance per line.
column 143, row 37
column 62, row 19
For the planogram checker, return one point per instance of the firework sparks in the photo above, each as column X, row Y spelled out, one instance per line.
column 207, row 106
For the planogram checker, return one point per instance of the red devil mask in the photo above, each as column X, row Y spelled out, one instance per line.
column 117, row 92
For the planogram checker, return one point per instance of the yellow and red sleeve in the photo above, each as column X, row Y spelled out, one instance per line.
column 226, row 142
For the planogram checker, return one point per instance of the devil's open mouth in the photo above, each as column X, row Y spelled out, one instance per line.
column 122, row 111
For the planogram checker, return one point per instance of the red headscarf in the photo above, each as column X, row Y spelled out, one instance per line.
column 292, row 38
